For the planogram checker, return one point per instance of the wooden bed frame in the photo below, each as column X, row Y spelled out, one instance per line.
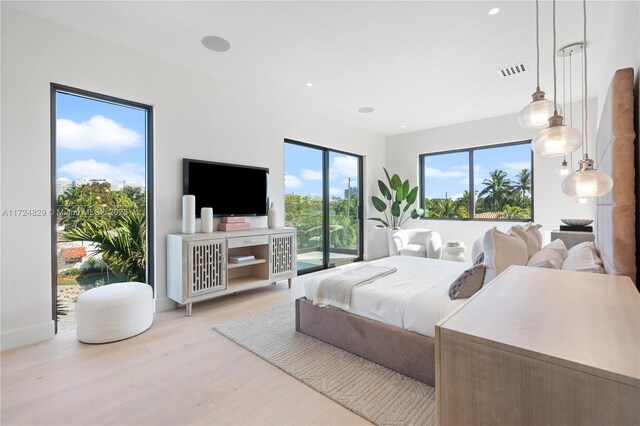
column 413, row 354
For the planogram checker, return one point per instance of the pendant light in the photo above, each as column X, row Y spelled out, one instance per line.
column 564, row 169
column 536, row 113
column 557, row 139
column 587, row 182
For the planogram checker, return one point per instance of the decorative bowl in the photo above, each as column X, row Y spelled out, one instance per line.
column 577, row 222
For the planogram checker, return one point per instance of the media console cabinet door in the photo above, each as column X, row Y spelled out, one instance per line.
column 283, row 256
column 206, row 267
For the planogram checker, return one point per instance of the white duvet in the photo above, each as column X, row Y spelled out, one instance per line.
column 415, row 297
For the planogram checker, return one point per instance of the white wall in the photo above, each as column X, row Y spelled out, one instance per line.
column 622, row 44
column 550, row 203
column 195, row 117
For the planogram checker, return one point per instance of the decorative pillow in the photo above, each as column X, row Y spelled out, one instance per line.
column 501, row 251
column 528, row 237
column 479, row 259
column 584, row 257
column 534, row 230
column 551, row 256
column 468, row 283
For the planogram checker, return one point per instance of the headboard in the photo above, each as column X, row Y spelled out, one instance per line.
column 616, row 211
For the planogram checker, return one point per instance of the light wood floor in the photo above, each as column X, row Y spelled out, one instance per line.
column 180, row 371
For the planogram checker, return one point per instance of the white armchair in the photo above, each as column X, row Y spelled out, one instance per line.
column 417, row 242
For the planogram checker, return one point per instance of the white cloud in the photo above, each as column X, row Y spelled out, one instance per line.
column 98, row 132
column 443, row 174
column 515, row 166
column 292, row 182
column 456, row 196
column 336, row 192
column 92, row 169
column 344, row 166
column 308, row 174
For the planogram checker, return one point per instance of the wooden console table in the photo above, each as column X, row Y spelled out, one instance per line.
column 199, row 267
column 542, row 347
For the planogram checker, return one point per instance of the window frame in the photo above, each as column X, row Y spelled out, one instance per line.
column 472, row 200
column 55, row 88
column 325, row 203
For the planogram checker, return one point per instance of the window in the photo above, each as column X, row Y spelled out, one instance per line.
column 102, row 226
column 500, row 187
column 323, row 201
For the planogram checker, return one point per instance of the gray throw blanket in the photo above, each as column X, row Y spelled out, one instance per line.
column 336, row 289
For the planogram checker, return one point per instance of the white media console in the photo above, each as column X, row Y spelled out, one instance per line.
column 198, row 266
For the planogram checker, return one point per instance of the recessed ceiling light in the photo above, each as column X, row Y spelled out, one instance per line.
column 494, row 11
column 215, row 43
column 309, row 84
column 403, row 126
column 366, row 110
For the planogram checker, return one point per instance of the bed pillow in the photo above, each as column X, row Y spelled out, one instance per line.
column 501, row 251
column 529, row 239
column 533, row 230
column 584, row 257
column 551, row 256
column 468, row 283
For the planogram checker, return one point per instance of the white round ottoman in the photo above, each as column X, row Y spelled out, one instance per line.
column 114, row 312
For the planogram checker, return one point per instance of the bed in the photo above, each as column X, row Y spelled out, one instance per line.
column 392, row 320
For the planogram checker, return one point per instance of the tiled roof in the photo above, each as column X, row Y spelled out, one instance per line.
column 487, row 215
column 73, row 253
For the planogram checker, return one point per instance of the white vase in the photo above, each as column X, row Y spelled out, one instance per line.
column 272, row 217
column 393, row 251
column 206, row 219
column 188, row 214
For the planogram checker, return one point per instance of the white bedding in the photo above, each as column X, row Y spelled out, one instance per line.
column 415, row 298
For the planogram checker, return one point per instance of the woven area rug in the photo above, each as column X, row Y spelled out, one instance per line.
column 376, row 393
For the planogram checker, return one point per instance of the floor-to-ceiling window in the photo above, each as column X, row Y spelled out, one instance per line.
column 101, row 195
column 323, row 201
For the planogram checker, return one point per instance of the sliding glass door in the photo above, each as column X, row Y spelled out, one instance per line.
column 323, row 201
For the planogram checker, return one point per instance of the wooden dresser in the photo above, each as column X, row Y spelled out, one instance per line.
column 542, row 347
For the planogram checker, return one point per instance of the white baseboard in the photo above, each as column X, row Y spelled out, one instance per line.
column 26, row 336
column 164, row 304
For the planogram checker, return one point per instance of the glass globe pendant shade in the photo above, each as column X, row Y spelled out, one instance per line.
column 564, row 169
column 587, row 182
column 536, row 113
column 557, row 139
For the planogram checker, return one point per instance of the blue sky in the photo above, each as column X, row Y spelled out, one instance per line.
column 99, row 140
column 448, row 174
column 303, row 171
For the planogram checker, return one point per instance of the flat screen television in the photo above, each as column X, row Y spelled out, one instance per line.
column 229, row 189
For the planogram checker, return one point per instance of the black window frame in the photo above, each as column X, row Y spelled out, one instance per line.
column 471, row 207
column 325, row 205
column 54, row 88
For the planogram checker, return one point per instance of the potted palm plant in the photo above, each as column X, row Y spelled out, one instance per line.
column 399, row 198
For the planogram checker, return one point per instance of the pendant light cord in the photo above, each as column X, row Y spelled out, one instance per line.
column 537, row 49
column 555, row 91
column 571, row 95
column 582, row 126
column 584, row 52
column 564, row 92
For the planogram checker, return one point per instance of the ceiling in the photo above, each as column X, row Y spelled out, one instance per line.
column 419, row 64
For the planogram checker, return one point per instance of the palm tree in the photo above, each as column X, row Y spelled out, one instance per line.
column 496, row 190
column 522, row 185
column 122, row 248
column 514, row 212
column 444, row 207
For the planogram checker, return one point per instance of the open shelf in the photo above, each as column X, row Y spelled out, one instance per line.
column 240, row 265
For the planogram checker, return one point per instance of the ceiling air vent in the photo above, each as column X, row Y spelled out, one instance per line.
column 512, row 70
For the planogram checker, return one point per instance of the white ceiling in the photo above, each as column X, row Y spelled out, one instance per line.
column 419, row 64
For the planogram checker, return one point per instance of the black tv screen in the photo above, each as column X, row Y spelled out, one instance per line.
column 230, row 190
